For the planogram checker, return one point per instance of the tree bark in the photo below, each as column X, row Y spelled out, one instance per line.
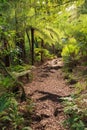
column 20, row 38
column 28, row 39
column 20, row 42
column 6, row 58
column 53, row 49
column 32, row 47
column 42, row 46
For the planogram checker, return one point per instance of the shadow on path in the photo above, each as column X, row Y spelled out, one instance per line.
column 50, row 96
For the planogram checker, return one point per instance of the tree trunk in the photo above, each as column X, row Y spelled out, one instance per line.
column 20, row 42
column 53, row 49
column 20, row 38
column 28, row 39
column 32, row 47
column 42, row 46
column 22, row 46
column 6, row 58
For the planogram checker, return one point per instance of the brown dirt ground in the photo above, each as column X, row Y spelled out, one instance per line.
column 46, row 90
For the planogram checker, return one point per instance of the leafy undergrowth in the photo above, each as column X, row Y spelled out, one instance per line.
column 19, row 68
column 15, row 107
column 76, row 111
column 14, row 115
column 76, row 105
column 45, row 54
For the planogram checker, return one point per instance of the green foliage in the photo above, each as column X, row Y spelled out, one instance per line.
column 14, row 52
column 9, row 111
column 6, row 84
column 27, row 128
column 30, row 105
column 52, row 21
column 14, row 115
column 46, row 54
column 70, row 54
column 76, row 111
column 5, row 101
column 19, row 68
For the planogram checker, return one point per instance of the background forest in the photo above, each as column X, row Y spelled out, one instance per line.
column 32, row 32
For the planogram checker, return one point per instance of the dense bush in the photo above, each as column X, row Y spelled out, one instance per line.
column 76, row 111
column 9, row 114
column 70, row 54
column 45, row 54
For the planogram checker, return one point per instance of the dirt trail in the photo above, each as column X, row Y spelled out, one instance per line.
column 46, row 90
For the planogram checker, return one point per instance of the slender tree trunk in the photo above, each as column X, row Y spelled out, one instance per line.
column 28, row 39
column 53, row 49
column 20, row 38
column 6, row 58
column 22, row 46
column 42, row 46
column 32, row 48
column 20, row 42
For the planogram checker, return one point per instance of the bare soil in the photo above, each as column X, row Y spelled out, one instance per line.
column 46, row 90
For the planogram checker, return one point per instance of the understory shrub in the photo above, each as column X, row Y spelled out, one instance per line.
column 76, row 111
column 10, row 117
column 11, row 95
column 19, row 68
column 70, row 55
column 13, row 114
column 45, row 54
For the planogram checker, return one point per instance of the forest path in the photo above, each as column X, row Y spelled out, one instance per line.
column 46, row 89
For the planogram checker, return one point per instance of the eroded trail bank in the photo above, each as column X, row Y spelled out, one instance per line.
column 46, row 89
